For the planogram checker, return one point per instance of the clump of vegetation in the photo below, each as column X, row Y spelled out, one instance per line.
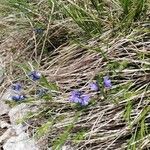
column 93, row 58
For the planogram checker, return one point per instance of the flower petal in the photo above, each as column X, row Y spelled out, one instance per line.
column 94, row 86
column 107, row 82
column 85, row 100
column 16, row 87
column 35, row 75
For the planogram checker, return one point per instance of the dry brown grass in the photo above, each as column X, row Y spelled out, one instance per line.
column 74, row 65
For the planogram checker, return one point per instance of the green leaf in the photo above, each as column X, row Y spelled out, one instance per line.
column 46, row 84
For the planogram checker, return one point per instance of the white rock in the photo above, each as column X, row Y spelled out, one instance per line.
column 67, row 147
column 21, row 142
column 7, row 134
column 19, row 128
column 4, row 124
column 4, row 108
column 18, row 112
column 6, row 95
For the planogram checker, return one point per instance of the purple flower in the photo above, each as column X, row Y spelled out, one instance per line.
column 94, row 86
column 78, row 97
column 18, row 97
column 22, row 97
column 75, row 96
column 34, row 75
column 107, row 82
column 85, row 100
column 16, row 87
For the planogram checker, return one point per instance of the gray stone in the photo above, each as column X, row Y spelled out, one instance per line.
column 4, row 124
column 20, row 142
column 65, row 147
column 19, row 128
column 7, row 134
column 4, row 108
column 18, row 112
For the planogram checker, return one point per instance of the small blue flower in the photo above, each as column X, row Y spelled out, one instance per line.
column 78, row 97
column 76, row 93
column 75, row 96
column 16, row 87
column 94, row 86
column 107, row 82
column 34, row 75
column 22, row 97
column 85, row 100
column 18, row 97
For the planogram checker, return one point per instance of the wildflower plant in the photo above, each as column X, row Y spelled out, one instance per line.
column 107, row 82
column 118, row 33
column 16, row 87
column 79, row 98
column 94, row 86
column 34, row 75
column 18, row 97
column 17, row 92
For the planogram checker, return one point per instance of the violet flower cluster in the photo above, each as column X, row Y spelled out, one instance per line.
column 107, row 82
column 94, row 86
column 17, row 87
column 18, row 97
column 79, row 97
column 17, row 90
column 82, row 98
column 34, row 75
column 75, row 97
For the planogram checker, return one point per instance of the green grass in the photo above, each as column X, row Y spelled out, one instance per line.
column 83, row 41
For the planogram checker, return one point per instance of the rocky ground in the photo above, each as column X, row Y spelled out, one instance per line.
column 72, row 48
column 13, row 136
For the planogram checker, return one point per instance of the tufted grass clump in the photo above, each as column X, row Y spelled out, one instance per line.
column 98, row 48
